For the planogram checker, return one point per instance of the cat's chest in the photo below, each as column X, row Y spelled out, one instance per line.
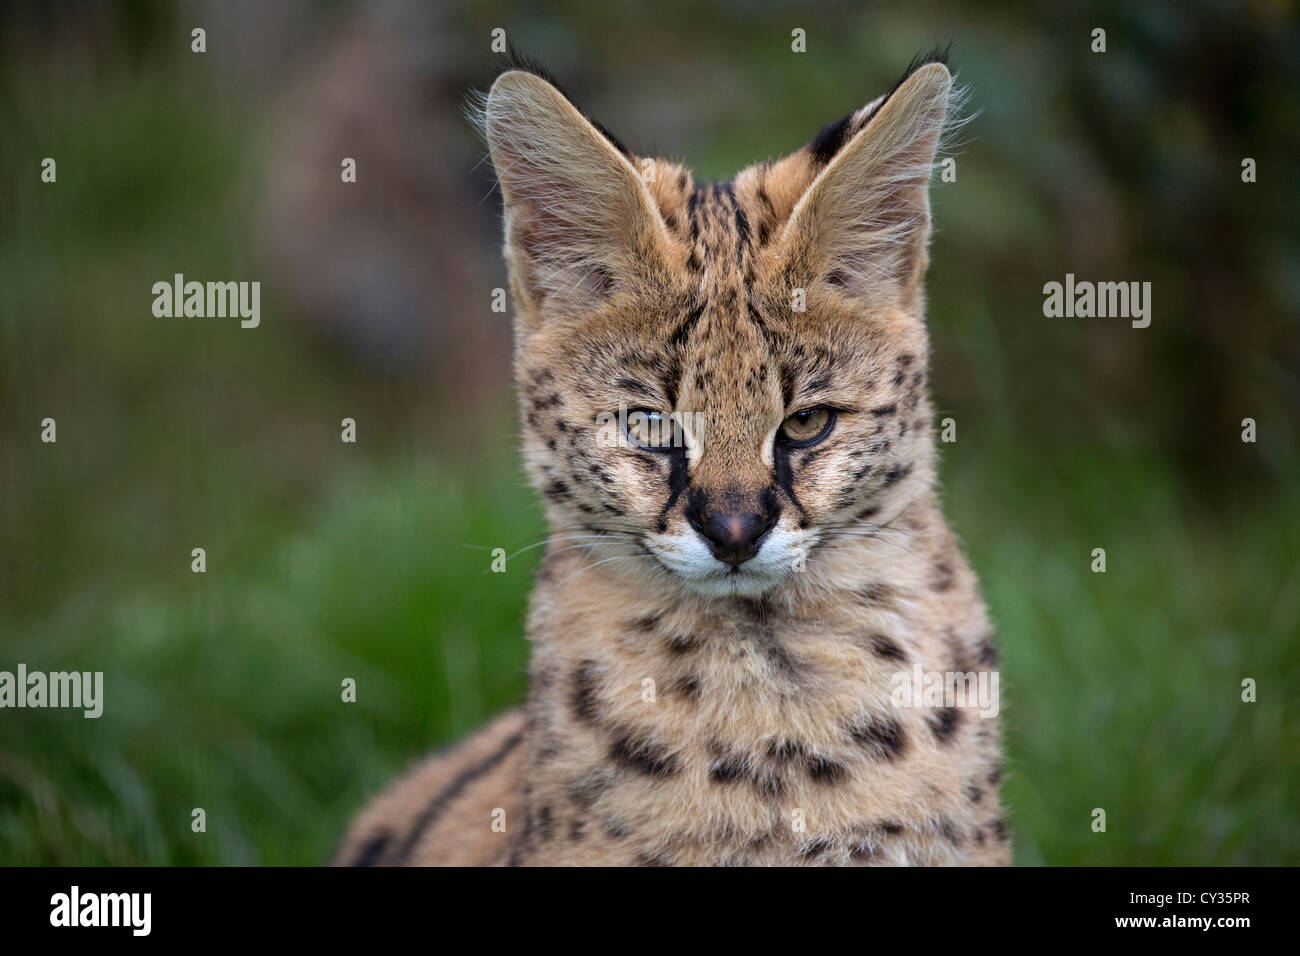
column 766, row 737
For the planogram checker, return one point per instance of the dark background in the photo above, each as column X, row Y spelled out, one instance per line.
column 328, row 560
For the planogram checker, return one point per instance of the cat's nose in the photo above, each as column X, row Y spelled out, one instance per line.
column 733, row 538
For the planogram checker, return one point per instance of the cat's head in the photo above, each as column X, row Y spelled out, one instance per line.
column 720, row 382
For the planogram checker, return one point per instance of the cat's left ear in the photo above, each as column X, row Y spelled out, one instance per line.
column 863, row 225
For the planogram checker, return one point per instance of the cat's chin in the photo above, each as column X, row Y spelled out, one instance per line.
column 737, row 583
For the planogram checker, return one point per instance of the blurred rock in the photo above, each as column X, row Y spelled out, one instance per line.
column 396, row 269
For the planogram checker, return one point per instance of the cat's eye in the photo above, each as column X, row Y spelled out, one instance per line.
column 653, row 430
column 807, row 427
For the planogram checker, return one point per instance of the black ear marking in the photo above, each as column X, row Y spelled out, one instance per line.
column 936, row 54
column 830, row 140
column 825, row 145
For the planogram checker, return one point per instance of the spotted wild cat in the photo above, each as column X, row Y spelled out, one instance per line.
column 737, row 579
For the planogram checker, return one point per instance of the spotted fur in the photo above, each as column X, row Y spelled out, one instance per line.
column 683, row 710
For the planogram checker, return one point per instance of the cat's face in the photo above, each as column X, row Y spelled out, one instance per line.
column 717, row 382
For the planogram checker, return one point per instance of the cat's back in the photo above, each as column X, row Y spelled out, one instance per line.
column 441, row 812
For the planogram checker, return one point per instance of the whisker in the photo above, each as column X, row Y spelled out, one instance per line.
column 557, row 539
column 840, row 535
column 617, row 557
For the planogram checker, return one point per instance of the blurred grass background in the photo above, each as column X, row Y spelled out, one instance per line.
column 328, row 560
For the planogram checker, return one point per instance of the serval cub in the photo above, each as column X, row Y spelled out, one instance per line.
column 724, row 397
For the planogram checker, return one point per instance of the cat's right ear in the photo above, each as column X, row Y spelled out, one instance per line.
column 579, row 221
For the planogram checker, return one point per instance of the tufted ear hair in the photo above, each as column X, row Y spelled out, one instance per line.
column 864, row 222
column 579, row 221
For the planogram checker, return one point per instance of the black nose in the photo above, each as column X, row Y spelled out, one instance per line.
column 733, row 538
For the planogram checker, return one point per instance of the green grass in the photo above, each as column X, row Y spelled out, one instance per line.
column 1122, row 690
column 223, row 690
